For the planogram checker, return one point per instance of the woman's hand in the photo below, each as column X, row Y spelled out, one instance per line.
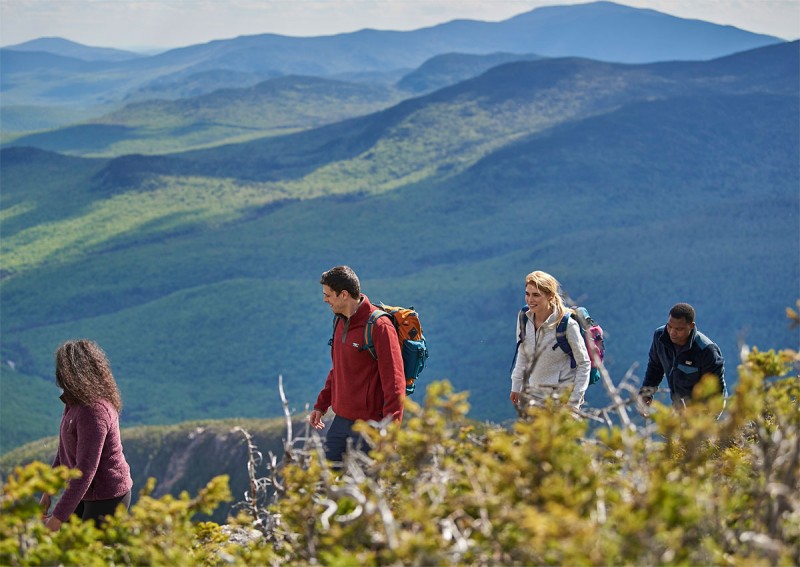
column 44, row 502
column 53, row 524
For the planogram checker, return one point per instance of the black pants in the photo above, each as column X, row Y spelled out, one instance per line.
column 96, row 509
column 336, row 441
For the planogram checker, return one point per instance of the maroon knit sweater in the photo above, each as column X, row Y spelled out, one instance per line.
column 89, row 441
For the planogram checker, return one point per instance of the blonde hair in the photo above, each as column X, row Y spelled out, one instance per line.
column 549, row 286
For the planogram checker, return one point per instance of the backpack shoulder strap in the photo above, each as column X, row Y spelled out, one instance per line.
column 561, row 338
column 522, row 324
column 368, row 343
column 333, row 332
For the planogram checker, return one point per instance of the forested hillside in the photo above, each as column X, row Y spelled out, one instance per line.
column 277, row 106
column 636, row 185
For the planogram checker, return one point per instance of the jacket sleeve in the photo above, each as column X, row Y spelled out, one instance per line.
column 521, row 364
column 390, row 368
column 582, row 362
column 324, row 398
column 92, row 425
column 655, row 372
column 713, row 363
column 323, row 402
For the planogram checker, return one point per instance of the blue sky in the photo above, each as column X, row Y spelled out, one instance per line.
column 172, row 23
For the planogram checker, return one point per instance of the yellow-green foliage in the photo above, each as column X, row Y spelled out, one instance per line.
column 169, row 203
column 442, row 490
column 155, row 532
column 437, row 491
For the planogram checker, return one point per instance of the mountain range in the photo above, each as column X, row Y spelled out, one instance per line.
column 90, row 81
column 637, row 185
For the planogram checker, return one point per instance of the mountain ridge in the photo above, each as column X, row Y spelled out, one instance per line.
column 370, row 50
column 62, row 46
column 269, row 108
column 213, row 125
column 506, row 84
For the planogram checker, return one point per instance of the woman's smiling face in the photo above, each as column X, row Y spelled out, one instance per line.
column 538, row 302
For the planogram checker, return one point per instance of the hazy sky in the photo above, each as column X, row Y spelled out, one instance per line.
column 173, row 23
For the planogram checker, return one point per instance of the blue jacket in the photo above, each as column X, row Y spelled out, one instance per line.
column 699, row 357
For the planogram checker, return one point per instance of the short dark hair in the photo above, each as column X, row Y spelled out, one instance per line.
column 682, row 311
column 342, row 278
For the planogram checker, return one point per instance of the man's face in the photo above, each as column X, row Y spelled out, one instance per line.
column 335, row 300
column 679, row 330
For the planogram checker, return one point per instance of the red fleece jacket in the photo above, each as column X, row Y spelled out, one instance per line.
column 358, row 386
column 90, row 442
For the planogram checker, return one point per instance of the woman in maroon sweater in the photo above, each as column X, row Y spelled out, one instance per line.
column 89, row 438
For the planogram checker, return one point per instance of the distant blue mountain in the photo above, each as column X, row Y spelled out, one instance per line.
column 602, row 30
column 67, row 48
column 13, row 63
column 450, row 68
column 612, row 32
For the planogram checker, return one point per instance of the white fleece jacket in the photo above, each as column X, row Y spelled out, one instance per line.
column 543, row 371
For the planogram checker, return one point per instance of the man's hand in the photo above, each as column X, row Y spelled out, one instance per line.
column 315, row 419
column 646, row 401
column 515, row 398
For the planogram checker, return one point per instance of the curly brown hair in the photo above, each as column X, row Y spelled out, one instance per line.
column 83, row 371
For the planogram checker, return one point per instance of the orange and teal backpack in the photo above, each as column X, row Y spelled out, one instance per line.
column 413, row 345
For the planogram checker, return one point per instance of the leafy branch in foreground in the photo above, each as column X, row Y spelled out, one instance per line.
column 680, row 488
column 442, row 489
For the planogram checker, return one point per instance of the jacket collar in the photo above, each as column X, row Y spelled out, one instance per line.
column 362, row 313
column 689, row 344
column 552, row 320
column 67, row 399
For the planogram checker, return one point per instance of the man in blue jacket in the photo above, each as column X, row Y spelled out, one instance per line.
column 684, row 355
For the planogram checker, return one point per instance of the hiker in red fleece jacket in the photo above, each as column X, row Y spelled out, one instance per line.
column 358, row 386
column 89, row 438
